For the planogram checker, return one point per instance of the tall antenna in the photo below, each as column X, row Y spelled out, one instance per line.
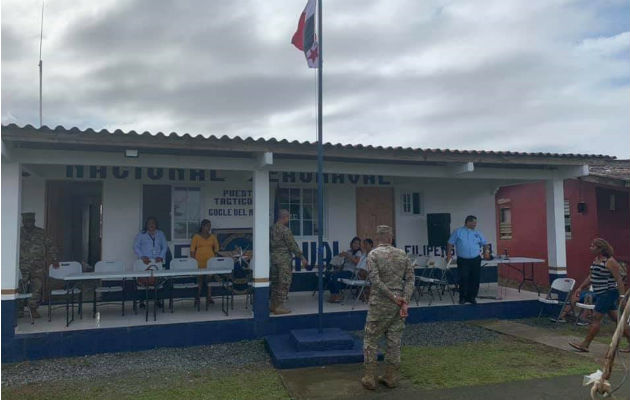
column 41, row 65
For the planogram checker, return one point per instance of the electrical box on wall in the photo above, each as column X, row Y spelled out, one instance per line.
column 581, row 207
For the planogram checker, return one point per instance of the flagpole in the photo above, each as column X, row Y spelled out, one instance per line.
column 320, row 174
column 41, row 64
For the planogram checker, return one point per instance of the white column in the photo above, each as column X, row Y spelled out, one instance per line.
column 261, row 228
column 11, row 205
column 556, row 242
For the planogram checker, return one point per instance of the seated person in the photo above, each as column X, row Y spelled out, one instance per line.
column 347, row 270
column 362, row 272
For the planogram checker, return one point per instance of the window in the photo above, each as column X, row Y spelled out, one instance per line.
column 186, row 206
column 302, row 205
column 505, row 223
column 567, row 220
column 411, row 203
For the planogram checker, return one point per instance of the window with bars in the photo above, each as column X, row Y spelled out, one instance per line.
column 567, row 220
column 302, row 205
column 505, row 223
column 186, row 211
column 412, row 203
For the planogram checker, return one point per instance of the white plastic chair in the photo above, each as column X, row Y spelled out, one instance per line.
column 23, row 294
column 109, row 267
column 559, row 294
column 355, row 282
column 183, row 264
column 139, row 266
column 221, row 264
column 65, row 268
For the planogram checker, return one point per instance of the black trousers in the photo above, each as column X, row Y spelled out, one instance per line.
column 469, row 272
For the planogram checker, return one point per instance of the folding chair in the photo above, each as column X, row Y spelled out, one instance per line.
column 23, row 294
column 419, row 264
column 156, row 287
column 186, row 264
column 435, row 274
column 559, row 294
column 241, row 283
column 221, row 264
column 109, row 267
column 355, row 284
column 65, row 268
column 335, row 262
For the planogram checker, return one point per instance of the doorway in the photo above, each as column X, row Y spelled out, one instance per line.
column 74, row 218
column 375, row 206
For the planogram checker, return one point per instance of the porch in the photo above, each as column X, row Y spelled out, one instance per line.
column 302, row 304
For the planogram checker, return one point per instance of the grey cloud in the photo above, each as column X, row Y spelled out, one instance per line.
column 510, row 75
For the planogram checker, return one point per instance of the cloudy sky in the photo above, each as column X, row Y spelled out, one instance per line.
column 547, row 75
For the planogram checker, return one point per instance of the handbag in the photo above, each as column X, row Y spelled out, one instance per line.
column 150, row 280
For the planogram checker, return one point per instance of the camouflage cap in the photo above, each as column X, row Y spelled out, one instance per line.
column 28, row 215
column 383, row 230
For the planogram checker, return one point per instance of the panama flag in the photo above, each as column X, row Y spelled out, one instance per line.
column 304, row 38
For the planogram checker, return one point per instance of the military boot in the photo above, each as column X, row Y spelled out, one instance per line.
column 368, row 380
column 391, row 377
column 280, row 309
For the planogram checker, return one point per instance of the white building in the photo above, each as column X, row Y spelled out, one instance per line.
column 93, row 190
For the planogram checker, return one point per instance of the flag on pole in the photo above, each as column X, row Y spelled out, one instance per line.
column 304, row 38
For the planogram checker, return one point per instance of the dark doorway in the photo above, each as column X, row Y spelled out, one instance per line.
column 156, row 202
column 439, row 229
column 74, row 213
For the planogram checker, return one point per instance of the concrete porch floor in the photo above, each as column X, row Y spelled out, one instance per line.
column 301, row 303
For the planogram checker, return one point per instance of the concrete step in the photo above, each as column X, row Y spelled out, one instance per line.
column 329, row 339
column 285, row 354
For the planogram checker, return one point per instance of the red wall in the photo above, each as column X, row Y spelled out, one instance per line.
column 583, row 227
column 614, row 226
column 529, row 226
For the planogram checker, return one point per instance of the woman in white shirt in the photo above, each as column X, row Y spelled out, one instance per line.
column 347, row 270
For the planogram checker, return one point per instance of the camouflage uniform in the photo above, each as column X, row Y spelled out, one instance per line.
column 390, row 275
column 283, row 248
column 36, row 251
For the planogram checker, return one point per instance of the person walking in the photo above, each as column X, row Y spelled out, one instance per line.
column 392, row 282
column 282, row 248
column 608, row 286
column 468, row 243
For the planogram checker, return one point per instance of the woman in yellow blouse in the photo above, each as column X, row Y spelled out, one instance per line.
column 203, row 247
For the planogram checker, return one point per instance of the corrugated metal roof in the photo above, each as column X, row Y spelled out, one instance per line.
column 615, row 169
column 28, row 133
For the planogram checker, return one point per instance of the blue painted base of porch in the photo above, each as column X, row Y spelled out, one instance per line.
column 92, row 341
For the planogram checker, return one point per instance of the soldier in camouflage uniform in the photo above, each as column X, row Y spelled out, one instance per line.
column 283, row 249
column 36, row 251
column 392, row 281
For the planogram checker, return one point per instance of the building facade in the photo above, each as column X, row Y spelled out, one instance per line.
column 596, row 205
column 92, row 191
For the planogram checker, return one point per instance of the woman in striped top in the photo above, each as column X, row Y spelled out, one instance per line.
column 607, row 285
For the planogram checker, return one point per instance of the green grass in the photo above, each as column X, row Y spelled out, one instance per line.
column 569, row 328
column 260, row 383
column 503, row 360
